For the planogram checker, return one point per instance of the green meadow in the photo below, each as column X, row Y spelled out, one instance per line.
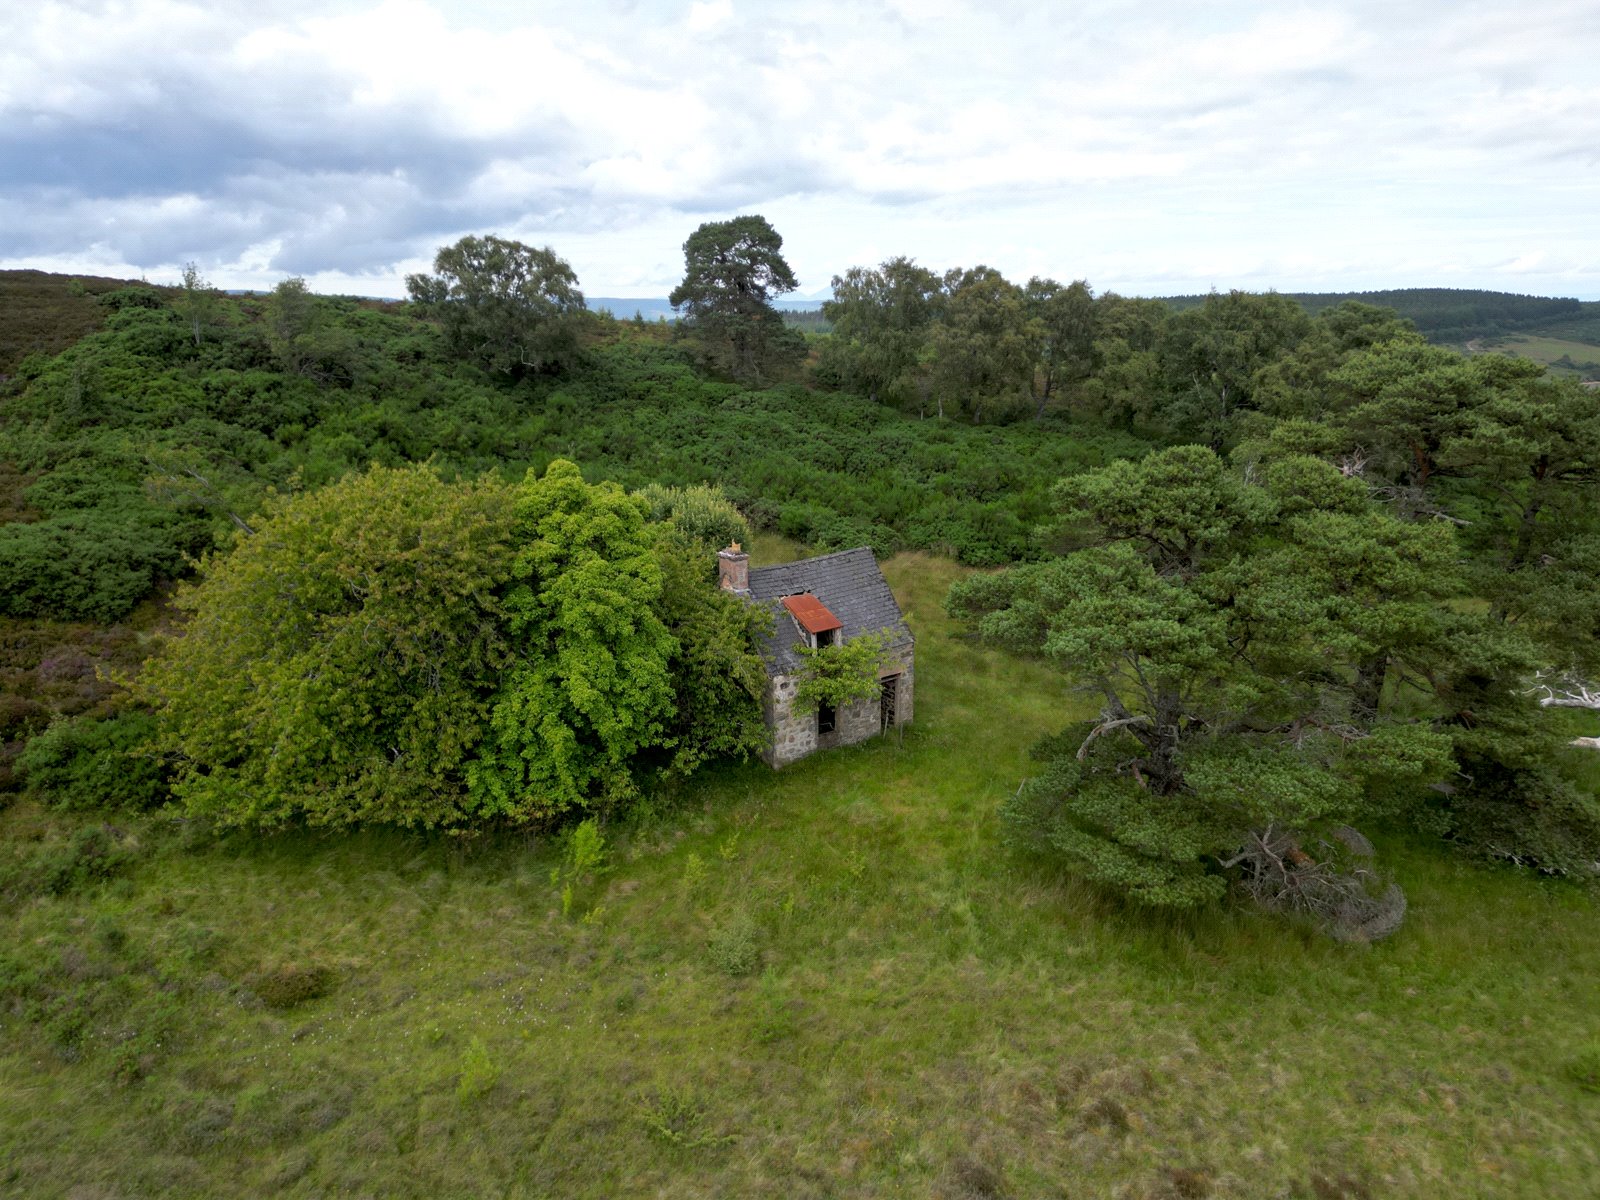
column 830, row 981
column 1561, row 355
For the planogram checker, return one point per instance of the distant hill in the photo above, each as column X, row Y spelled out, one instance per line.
column 652, row 309
column 1560, row 332
column 1456, row 316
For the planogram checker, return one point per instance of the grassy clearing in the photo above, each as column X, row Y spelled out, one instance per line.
column 828, row 981
column 1562, row 356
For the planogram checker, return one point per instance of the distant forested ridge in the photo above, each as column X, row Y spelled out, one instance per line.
column 1454, row 315
column 1447, row 316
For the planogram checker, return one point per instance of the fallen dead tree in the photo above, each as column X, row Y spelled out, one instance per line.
column 1329, row 881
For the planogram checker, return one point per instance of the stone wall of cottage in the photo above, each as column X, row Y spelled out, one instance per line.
column 794, row 726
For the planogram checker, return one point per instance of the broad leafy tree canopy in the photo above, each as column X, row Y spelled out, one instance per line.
column 508, row 307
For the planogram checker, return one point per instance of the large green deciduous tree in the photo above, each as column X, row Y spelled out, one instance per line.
column 983, row 350
column 1067, row 320
column 732, row 271
column 881, row 319
column 1223, row 624
column 1211, row 354
column 509, row 307
column 336, row 667
column 591, row 685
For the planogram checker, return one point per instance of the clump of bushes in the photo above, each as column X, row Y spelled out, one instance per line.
column 88, row 763
column 291, row 985
column 702, row 513
column 92, row 855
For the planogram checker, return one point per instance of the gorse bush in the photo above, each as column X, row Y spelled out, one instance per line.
column 734, row 946
column 90, row 763
column 702, row 513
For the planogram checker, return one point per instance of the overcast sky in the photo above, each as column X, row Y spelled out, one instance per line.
column 1151, row 148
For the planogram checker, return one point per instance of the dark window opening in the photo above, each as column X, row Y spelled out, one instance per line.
column 826, row 718
column 889, row 702
column 826, row 638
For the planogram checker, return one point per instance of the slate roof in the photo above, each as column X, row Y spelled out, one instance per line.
column 849, row 583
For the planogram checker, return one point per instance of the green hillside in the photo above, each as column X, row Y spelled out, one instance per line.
column 915, row 967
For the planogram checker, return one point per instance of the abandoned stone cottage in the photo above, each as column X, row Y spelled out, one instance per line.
column 818, row 602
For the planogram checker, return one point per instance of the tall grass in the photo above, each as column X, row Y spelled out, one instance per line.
column 914, row 1011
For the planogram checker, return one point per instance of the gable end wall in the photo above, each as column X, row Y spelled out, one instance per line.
column 794, row 727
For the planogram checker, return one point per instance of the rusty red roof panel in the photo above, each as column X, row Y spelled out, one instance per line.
column 812, row 613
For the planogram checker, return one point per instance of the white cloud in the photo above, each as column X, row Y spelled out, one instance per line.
column 1164, row 144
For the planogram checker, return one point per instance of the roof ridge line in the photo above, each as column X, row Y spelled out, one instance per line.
column 815, row 558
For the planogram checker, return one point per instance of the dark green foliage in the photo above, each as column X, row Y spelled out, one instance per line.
column 91, row 564
column 881, row 319
column 508, row 307
column 822, row 467
column 1211, row 355
column 88, row 763
column 732, row 271
column 1067, row 317
column 291, row 985
column 984, row 348
column 1227, row 626
column 336, row 665
column 138, row 447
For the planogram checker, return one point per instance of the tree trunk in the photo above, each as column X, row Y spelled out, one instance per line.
column 1367, row 691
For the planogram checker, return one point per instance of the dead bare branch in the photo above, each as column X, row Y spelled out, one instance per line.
column 1332, row 886
column 1107, row 727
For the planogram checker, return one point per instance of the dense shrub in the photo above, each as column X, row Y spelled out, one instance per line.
column 702, row 513
column 88, row 763
column 86, row 564
column 337, row 665
column 56, row 867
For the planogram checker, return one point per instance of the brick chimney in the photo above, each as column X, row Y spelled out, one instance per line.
column 733, row 570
